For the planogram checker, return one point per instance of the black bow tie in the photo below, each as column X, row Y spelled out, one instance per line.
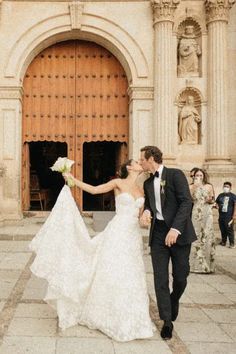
column 156, row 174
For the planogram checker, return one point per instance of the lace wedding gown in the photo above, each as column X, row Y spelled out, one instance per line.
column 99, row 282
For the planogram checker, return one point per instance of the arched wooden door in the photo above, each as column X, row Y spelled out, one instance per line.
column 74, row 92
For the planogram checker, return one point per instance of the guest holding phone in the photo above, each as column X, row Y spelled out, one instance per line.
column 202, row 258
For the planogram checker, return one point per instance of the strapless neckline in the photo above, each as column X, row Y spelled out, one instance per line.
column 131, row 195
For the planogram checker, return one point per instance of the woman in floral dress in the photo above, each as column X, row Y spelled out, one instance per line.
column 202, row 258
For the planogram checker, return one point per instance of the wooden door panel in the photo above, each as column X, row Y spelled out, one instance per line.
column 49, row 99
column 101, row 88
column 74, row 92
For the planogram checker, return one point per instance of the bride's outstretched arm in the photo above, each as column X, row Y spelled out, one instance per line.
column 102, row 188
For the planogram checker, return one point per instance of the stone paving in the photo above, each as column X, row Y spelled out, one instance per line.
column 206, row 323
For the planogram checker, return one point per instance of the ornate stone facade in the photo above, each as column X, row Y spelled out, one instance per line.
column 145, row 36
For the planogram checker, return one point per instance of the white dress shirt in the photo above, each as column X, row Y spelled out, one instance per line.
column 157, row 187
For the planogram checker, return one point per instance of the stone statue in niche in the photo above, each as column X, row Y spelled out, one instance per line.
column 188, row 53
column 189, row 120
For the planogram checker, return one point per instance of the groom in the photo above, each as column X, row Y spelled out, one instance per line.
column 167, row 206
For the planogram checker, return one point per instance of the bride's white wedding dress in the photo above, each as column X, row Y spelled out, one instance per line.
column 99, row 282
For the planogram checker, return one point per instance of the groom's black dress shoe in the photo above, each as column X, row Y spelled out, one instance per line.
column 166, row 332
column 174, row 309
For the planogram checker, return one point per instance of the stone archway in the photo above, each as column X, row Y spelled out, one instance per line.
column 28, row 44
column 74, row 92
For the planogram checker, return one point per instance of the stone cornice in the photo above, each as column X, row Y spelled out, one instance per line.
column 13, row 92
column 218, row 10
column 140, row 93
column 163, row 10
column 112, row 1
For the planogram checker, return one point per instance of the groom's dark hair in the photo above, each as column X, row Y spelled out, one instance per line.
column 152, row 151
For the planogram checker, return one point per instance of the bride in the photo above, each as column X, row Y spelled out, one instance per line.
column 98, row 282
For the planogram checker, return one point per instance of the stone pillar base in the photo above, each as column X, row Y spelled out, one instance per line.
column 219, row 165
column 10, row 218
column 220, row 172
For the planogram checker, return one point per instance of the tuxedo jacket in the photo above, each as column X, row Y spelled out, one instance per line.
column 176, row 204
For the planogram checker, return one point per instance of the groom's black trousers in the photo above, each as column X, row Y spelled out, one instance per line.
column 161, row 255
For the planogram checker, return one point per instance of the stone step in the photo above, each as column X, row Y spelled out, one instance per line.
column 26, row 228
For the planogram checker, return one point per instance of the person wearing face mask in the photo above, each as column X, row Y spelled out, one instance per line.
column 226, row 205
column 191, row 174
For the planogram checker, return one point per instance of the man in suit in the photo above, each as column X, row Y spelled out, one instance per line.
column 167, row 207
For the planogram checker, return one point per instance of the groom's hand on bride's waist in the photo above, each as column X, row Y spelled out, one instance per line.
column 171, row 237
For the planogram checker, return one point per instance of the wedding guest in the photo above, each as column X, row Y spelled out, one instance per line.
column 191, row 173
column 226, row 205
column 202, row 257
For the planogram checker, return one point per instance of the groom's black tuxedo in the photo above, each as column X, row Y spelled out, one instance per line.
column 176, row 206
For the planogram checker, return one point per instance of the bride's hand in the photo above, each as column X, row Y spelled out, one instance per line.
column 67, row 175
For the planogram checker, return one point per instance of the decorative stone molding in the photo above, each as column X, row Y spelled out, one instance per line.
column 218, row 10
column 163, row 10
column 140, row 93
column 95, row 28
column 190, row 90
column 76, row 12
column 10, row 93
column 181, row 99
column 192, row 15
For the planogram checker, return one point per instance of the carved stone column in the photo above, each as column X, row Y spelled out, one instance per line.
column 217, row 13
column 163, row 16
column 140, row 112
column 10, row 152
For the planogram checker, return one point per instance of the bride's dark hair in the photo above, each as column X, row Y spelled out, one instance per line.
column 123, row 172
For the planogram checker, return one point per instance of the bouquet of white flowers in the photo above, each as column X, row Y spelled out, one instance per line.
column 63, row 165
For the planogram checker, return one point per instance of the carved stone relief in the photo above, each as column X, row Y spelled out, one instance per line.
column 218, row 10
column 189, row 49
column 189, row 120
column 76, row 12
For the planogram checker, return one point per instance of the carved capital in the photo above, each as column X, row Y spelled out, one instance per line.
column 218, row 10
column 140, row 93
column 76, row 12
column 163, row 10
column 11, row 92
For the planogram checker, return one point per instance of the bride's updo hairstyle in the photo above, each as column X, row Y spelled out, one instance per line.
column 123, row 172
